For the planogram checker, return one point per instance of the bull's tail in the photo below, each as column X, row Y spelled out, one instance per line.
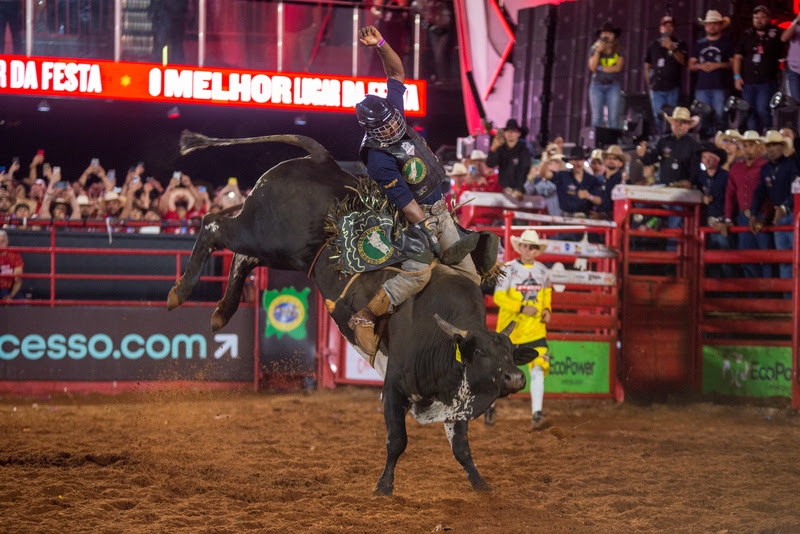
column 191, row 141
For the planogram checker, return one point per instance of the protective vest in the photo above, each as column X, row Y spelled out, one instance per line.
column 420, row 168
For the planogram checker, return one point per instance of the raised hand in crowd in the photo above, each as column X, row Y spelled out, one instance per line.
column 37, row 160
column 498, row 140
column 641, row 149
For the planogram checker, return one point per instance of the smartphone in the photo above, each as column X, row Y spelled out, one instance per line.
column 95, row 162
column 56, row 170
column 45, row 166
column 202, row 189
column 233, row 181
column 140, row 164
column 61, row 185
column 15, row 160
column 2, row 169
column 40, row 152
column 135, row 179
column 112, row 174
column 176, row 175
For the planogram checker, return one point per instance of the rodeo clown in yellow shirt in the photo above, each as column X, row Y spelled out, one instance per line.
column 523, row 295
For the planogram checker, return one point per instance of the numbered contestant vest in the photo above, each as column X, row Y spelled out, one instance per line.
column 420, row 168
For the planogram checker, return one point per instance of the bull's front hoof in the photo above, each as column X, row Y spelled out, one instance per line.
column 173, row 300
column 382, row 491
column 217, row 321
column 482, row 487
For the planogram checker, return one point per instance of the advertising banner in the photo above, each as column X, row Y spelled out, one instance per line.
column 575, row 367
column 152, row 82
column 357, row 368
column 102, row 343
column 747, row 371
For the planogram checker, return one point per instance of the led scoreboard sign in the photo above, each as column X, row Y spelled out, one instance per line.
column 150, row 82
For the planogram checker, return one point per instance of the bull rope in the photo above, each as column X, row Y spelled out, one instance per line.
column 331, row 304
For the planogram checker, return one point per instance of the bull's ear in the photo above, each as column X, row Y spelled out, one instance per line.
column 451, row 330
column 524, row 355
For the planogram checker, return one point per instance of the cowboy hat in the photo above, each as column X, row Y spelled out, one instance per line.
column 608, row 26
column 615, row 151
column 712, row 15
column 512, row 124
column 710, row 147
column 529, row 237
column 774, row 137
column 178, row 194
column 477, row 154
column 575, row 153
column 596, row 154
column 111, row 195
column 682, row 114
column 752, row 135
column 83, row 200
column 720, row 137
column 458, row 168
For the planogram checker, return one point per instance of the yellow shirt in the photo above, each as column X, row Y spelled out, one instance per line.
column 523, row 285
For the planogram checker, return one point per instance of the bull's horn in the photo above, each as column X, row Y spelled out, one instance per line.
column 510, row 328
column 447, row 327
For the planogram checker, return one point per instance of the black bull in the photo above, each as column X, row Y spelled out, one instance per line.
column 281, row 225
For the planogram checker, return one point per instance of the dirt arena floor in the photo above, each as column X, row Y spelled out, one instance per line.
column 200, row 462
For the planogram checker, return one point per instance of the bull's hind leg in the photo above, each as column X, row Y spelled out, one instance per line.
column 457, row 435
column 240, row 269
column 394, row 414
column 208, row 241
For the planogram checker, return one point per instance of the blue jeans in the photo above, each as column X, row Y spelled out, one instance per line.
column 758, row 95
column 717, row 241
column 716, row 99
column 601, row 96
column 793, row 79
column 748, row 241
column 658, row 99
column 785, row 241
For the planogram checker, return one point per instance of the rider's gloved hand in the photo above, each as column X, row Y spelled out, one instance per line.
column 428, row 228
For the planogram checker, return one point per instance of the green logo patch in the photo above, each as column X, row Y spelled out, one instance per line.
column 414, row 171
column 286, row 312
column 374, row 247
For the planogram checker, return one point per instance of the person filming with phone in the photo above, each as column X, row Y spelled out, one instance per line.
column 606, row 60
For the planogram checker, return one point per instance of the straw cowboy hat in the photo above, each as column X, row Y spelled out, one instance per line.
column 712, row 15
column 458, row 168
column 752, row 135
column 112, row 195
column 597, row 154
column 774, row 136
column 720, row 137
column 529, row 237
column 682, row 114
column 615, row 151
column 477, row 154
column 83, row 200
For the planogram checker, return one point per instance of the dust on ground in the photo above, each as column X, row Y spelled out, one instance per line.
column 220, row 462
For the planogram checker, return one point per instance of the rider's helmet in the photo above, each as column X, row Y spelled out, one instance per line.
column 381, row 120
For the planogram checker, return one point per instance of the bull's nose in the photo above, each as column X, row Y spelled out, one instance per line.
column 514, row 380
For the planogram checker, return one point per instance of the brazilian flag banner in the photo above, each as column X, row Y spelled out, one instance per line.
column 287, row 312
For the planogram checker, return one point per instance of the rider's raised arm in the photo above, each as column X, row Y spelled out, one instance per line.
column 392, row 64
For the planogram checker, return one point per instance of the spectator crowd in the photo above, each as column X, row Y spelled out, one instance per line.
column 44, row 194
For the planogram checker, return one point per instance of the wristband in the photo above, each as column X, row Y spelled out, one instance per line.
column 381, row 43
column 737, row 76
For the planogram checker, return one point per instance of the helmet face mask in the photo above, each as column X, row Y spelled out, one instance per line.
column 382, row 121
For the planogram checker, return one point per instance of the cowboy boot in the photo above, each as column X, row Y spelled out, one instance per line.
column 363, row 322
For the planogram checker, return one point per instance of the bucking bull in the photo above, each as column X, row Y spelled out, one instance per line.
column 447, row 373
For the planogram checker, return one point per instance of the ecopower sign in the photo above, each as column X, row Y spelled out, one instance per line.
column 123, row 343
column 196, row 85
column 747, row 371
column 575, row 367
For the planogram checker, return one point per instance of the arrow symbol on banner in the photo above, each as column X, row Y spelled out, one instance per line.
column 229, row 341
